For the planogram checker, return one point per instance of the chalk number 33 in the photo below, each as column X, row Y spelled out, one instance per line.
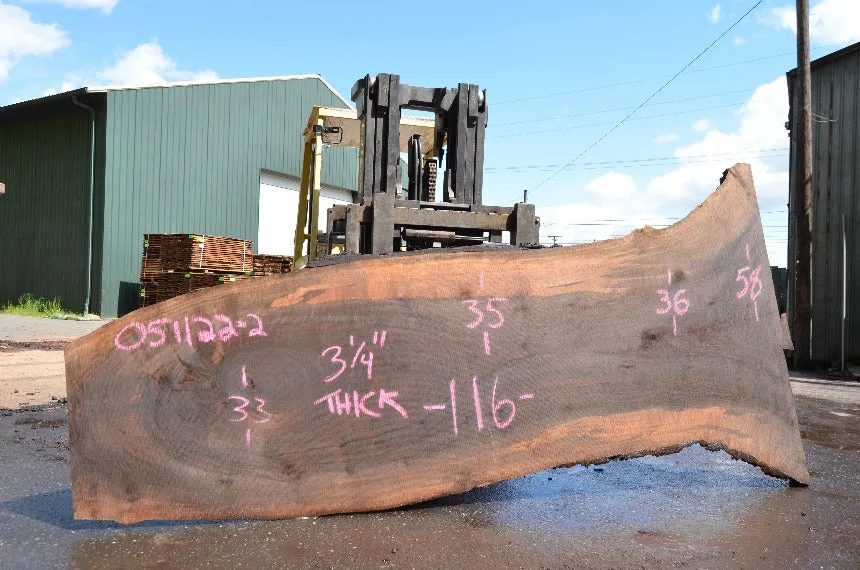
column 244, row 404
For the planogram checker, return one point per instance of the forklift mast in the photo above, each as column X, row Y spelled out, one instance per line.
column 461, row 119
column 385, row 218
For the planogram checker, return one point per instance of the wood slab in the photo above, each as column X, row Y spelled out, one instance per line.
column 387, row 381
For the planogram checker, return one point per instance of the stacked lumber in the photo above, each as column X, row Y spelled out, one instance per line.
column 183, row 252
column 272, row 264
column 175, row 264
column 150, row 263
column 173, row 284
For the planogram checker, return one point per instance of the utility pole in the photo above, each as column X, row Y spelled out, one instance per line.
column 554, row 240
column 803, row 192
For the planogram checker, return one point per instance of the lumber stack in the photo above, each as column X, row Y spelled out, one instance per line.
column 175, row 264
column 203, row 253
column 272, row 264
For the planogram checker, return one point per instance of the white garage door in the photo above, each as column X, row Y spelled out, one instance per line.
column 279, row 205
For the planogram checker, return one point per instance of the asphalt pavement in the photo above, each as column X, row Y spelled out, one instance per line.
column 20, row 329
column 696, row 509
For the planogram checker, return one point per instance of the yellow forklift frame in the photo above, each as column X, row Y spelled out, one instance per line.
column 343, row 126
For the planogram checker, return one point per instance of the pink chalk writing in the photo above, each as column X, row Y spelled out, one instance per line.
column 354, row 404
column 260, row 415
column 362, row 355
column 676, row 304
column 335, row 359
column 477, row 397
column 244, row 404
column 207, row 334
column 141, row 336
column 154, row 328
column 227, row 331
column 481, row 310
column 188, row 332
column 473, row 306
column 241, row 407
column 258, row 331
column 387, row 399
column 752, row 283
column 512, row 408
column 453, row 388
column 155, row 333
column 504, row 410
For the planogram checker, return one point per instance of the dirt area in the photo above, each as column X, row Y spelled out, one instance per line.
column 32, row 369
column 31, row 377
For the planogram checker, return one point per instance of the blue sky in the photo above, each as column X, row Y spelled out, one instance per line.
column 546, row 66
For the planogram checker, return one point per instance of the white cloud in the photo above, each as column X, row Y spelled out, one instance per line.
column 830, row 21
column 760, row 141
column 612, row 207
column 714, row 14
column 105, row 6
column 64, row 86
column 667, row 138
column 738, row 40
column 701, row 125
column 20, row 37
column 147, row 64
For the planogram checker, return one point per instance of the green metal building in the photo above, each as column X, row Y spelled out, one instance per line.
column 86, row 173
column 835, row 244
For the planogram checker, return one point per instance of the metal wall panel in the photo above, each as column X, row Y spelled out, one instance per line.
column 44, row 162
column 836, row 191
column 188, row 160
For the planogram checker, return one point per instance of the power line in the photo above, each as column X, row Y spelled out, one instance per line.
column 675, row 162
column 742, row 152
column 709, row 96
column 657, row 92
column 672, row 114
column 646, row 80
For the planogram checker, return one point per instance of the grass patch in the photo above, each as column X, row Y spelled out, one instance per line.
column 30, row 306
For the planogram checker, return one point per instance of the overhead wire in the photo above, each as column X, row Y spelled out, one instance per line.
column 654, row 94
column 647, row 79
column 670, row 102
column 743, row 152
column 572, row 127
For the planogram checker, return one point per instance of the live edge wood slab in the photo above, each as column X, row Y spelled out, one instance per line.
column 387, row 381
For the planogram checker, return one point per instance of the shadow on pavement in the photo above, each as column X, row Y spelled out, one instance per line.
column 55, row 509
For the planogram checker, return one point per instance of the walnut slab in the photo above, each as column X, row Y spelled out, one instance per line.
column 387, row 381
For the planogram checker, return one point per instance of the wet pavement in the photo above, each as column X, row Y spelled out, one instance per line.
column 696, row 509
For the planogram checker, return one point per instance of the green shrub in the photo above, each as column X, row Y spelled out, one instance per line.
column 30, row 306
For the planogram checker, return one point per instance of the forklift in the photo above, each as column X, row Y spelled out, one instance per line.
column 386, row 216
